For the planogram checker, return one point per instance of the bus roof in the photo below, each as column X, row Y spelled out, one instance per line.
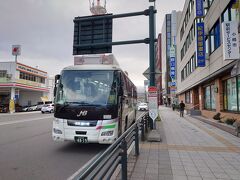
column 94, row 62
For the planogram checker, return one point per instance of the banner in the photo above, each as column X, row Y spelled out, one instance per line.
column 199, row 8
column 200, row 45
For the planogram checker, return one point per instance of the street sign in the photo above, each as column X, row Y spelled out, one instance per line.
column 92, row 31
column 157, row 73
column 146, row 82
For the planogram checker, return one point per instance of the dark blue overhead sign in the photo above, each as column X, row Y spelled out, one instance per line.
column 199, row 8
column 200, row 45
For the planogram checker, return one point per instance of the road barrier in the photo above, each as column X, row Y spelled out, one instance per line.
column 104, row 166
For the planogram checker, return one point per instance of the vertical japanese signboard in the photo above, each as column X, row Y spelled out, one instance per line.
column 200, row 45
column 152, row 102
column 230, row 40
column 199, row 8
column 172, row 63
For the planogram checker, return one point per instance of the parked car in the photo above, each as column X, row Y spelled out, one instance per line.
column 25, row 108
column 143, row 107
column 47, row 108
column 3, row 109
column 39, row 107
column 33, row 108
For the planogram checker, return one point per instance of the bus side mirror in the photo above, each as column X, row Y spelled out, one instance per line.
column 120, row 91
column 57, row 77
column 54, row 91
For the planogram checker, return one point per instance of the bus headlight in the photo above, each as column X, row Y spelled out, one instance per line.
column 107, row 133
column 57, row 131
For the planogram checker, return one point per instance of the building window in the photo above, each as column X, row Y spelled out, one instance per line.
column 232, row 94
column 215, row 41
column 209, row 97
column 31, row 77
column 229, row 14
column 207, row 4
column 187, row 97
column 206, row 45
column 3, row 73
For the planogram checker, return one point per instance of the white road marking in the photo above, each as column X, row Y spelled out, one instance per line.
column 117, row 170
column 20, row 113
column 72, row 177
column 22, row 121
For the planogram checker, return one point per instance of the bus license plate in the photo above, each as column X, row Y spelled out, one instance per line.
column 81, row 139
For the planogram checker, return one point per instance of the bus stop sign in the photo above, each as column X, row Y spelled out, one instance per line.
column 152, row 102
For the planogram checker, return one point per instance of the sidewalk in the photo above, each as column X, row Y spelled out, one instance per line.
column 190, row 150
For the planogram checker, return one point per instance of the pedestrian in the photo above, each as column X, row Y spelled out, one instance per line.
column 165, row 102
column 173, row 106
column 181, row 108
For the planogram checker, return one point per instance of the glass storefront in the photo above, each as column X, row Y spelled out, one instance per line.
column 232, row 94
column 209, row 100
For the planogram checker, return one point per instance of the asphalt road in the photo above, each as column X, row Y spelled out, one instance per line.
column 27, row 150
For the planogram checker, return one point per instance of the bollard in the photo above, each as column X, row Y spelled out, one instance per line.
column 136, row 141
column 124, row 159
column 146, row 123
column 142, row 129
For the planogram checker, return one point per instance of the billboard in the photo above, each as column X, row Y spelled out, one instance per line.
column 200, row 45
column 230, row 40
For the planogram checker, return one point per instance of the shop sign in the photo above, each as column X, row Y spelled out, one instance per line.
column 16, row 50
column 30, row 70
column 201, row 62
column 172, row 51
column 230, row 40
column 172, row 67
column 172, row 84
column 199, row 8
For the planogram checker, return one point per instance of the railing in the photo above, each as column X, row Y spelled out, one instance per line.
column 104, row 166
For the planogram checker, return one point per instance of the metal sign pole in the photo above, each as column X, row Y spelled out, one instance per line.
column 152, row 53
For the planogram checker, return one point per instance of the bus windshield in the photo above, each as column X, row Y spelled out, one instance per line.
column 87, row 87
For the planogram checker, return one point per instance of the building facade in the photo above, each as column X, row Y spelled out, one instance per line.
column 168, row 41
column 212, row 88
column 23, row 84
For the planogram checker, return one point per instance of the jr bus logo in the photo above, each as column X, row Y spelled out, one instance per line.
column 82, row 113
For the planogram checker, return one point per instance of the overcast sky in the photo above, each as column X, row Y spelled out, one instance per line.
column 44, row 29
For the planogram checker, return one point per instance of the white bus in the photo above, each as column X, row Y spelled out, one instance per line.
column 95, row 101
